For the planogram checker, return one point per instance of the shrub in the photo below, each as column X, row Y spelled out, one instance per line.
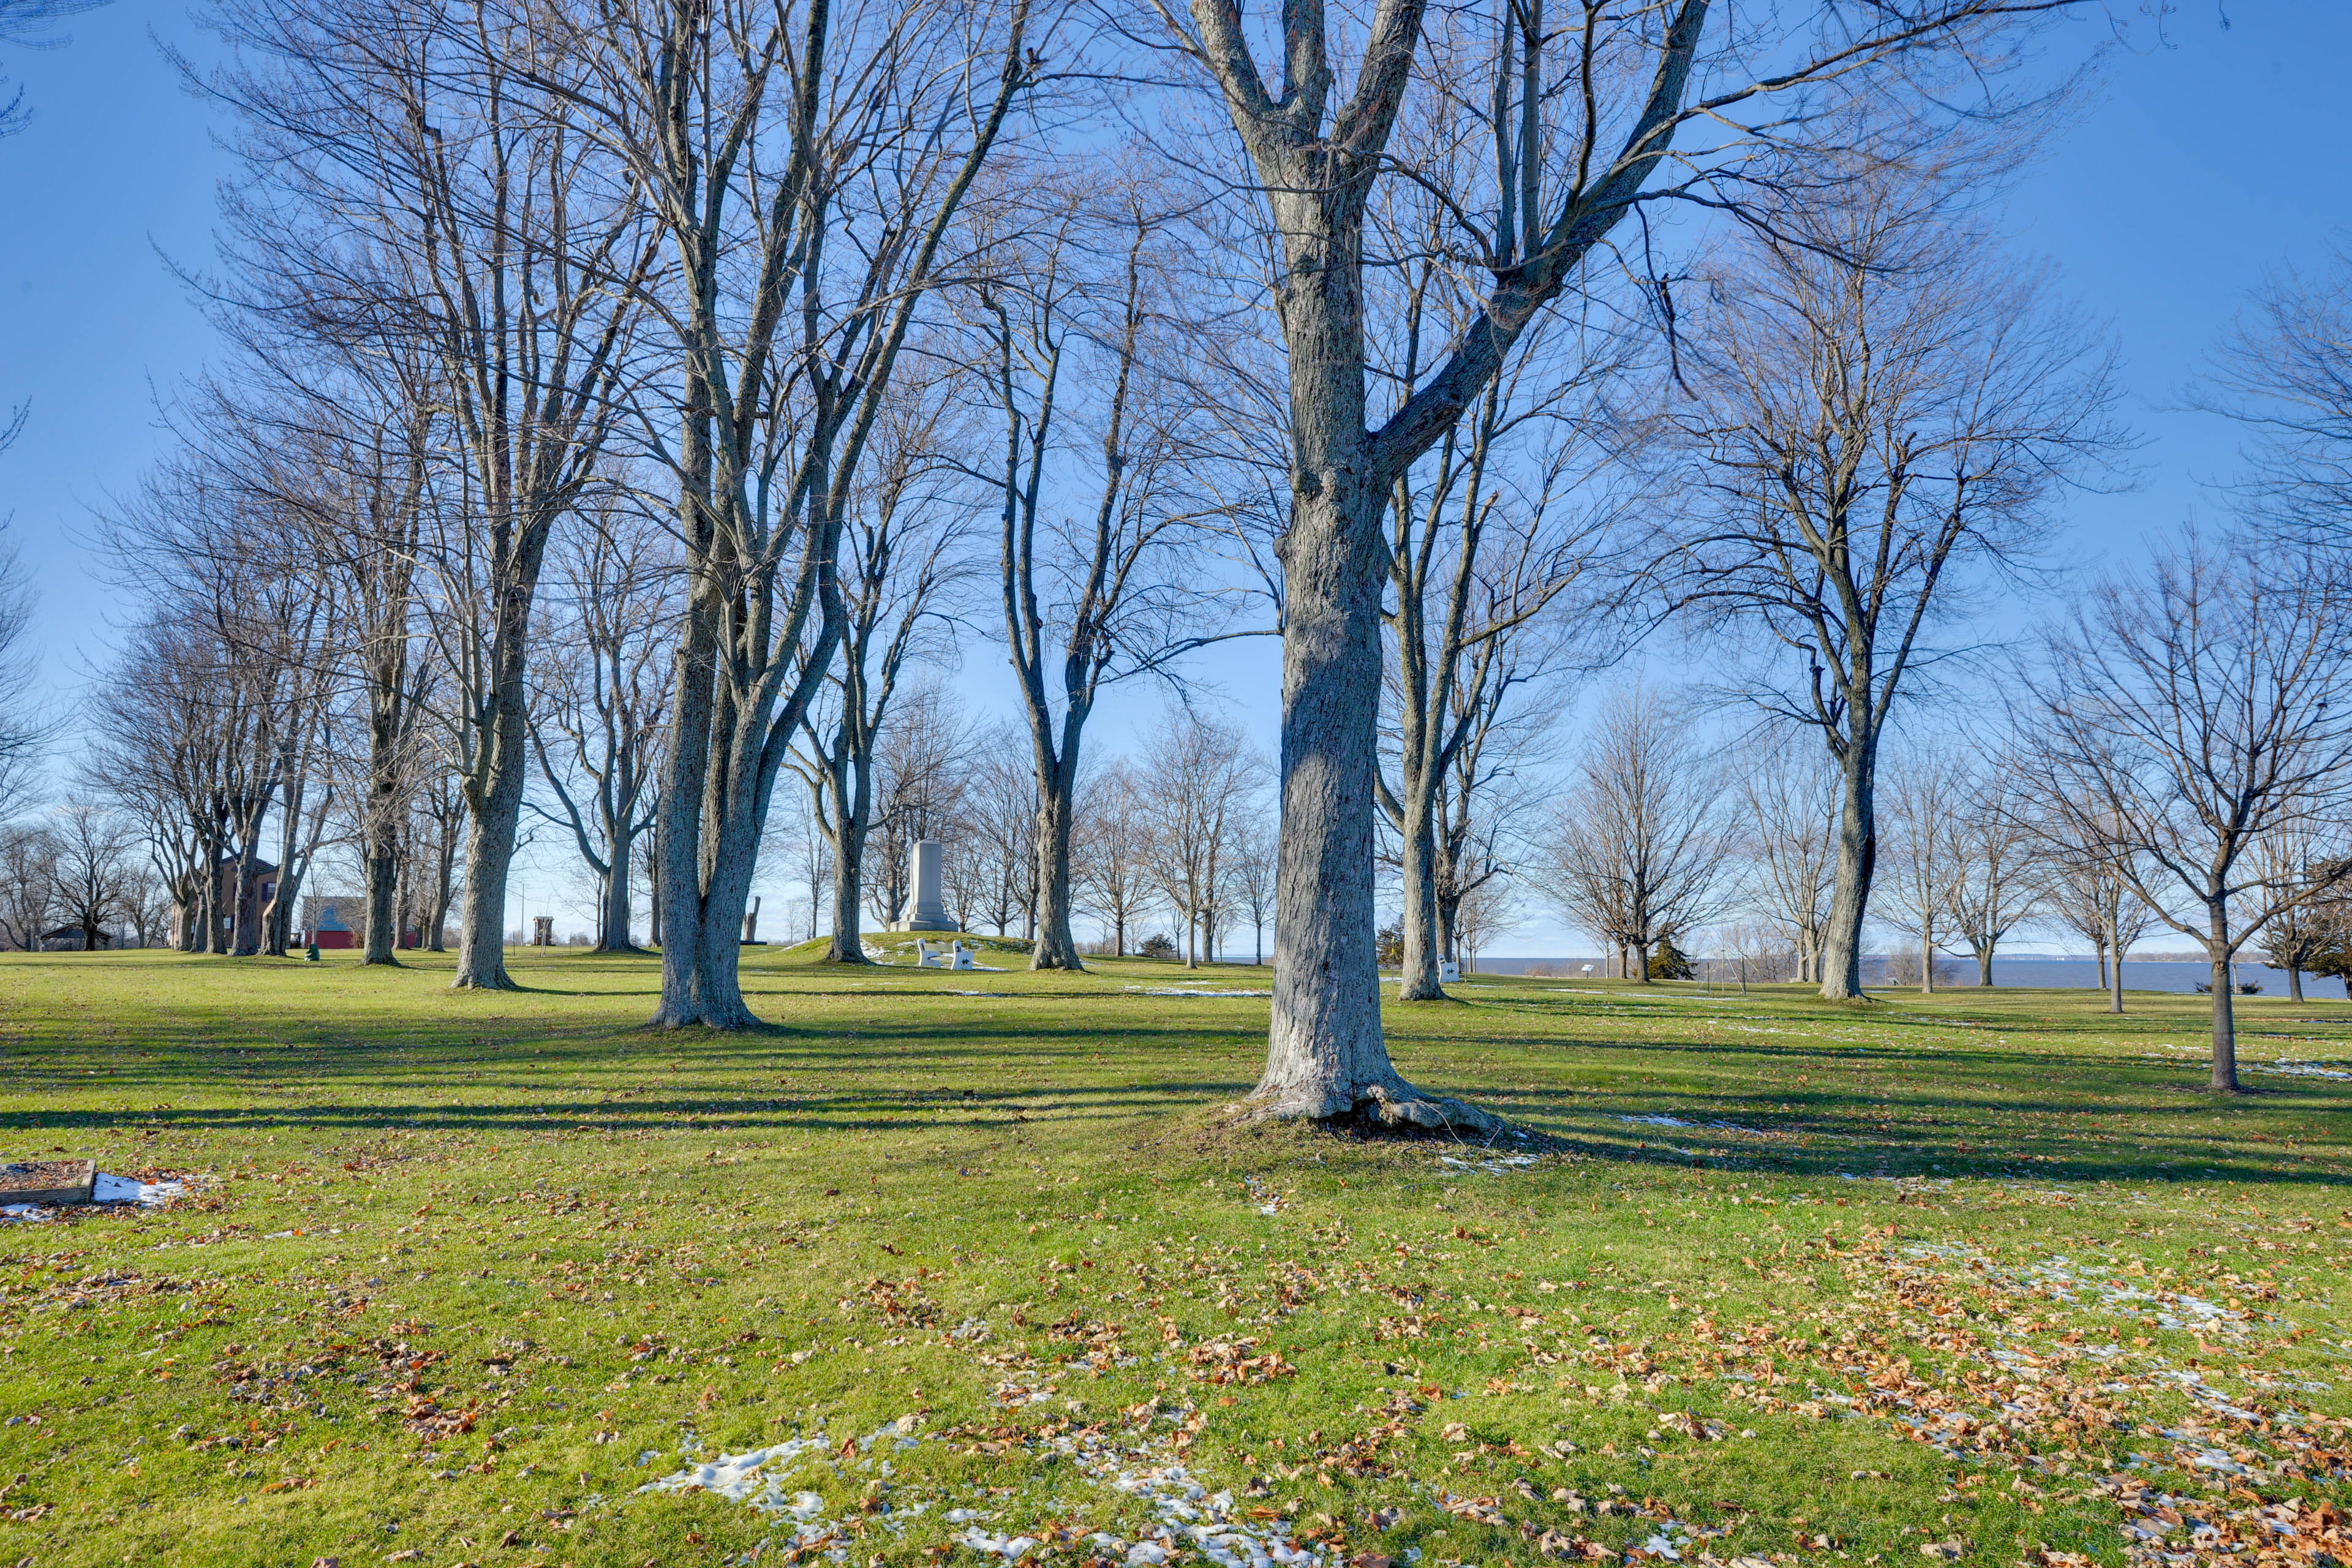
column 1157, row 945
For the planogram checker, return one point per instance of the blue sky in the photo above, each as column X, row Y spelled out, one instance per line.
column 2206, row 157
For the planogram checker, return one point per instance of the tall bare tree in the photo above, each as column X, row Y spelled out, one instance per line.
column 1545, row 133
column 2185, row 714
column 1073, row 351
column 1883, row 416
column 806, row 165
column 93, row 872
column 438, row 156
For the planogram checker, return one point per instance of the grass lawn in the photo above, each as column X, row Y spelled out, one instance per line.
column 971, row 1264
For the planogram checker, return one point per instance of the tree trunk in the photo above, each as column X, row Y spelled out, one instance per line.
column 1055, row 947
column 679, row 881
column 2225, row 1024
column 2115, row 984
column 1637, row 961
column 1418, row 840
column 382, row 916
column 1325, row 1052
column 2294, row 984
column 1927, row 967
column 849, row 945
column 492, row 824
column 614, row 904
column 1857, row 860
column 444, row 873
column 2101, row 944
column 245, row 917
column 1984, row 966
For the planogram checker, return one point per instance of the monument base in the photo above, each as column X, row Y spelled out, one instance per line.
column 923, row 922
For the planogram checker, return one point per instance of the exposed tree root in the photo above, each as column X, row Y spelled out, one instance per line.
column 1391, row 1108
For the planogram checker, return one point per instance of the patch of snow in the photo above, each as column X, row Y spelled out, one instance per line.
column 106, row 1189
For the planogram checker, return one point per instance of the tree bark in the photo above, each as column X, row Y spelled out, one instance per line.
column 2225, row 1024
column 1857, row 859
column 1984, row 966
column 2294, row 984
column 494, row 817
column 613, row 901
column 1423, row 935
column 383, row 918
column 1055, row 947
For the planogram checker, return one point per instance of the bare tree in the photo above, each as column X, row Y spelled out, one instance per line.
column 999, row 831
column 1072, row 355
column 2186, row 713
column 2083, row 888
column 806, row 165
column 1881, row 423
column 1113, row 847
column 1254, row 856
column 1637, row 850
column 2292, row 858
column 1544, row 133
column 1198, row 777
column 1790, row 792
column 436, row 154
column 1922, row 801
column 1995, row 882
column 29, row 897
column 603, row 679
column 93, row 867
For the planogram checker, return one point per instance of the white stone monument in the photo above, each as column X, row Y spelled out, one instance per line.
column 923, row 911
column 1448, row 972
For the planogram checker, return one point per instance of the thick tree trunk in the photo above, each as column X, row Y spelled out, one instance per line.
column 2294, row 984
column 1326, row 1054
column 613, row 903
column 492, row 824
column 2225, row 1024
column 382, row 907
column 1055, row 947
column 849, row 945
column 1857, row 860
column 246, row 920
column 680, row 880
column 1984, row 966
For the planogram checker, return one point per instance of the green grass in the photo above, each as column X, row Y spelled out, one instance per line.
column 459, row 1274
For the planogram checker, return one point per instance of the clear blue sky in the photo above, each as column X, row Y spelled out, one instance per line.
column 2206, row 157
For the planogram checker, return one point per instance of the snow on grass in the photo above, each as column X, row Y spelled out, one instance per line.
column 105, row 1190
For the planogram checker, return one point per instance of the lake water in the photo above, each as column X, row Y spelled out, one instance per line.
column 2046, row 973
